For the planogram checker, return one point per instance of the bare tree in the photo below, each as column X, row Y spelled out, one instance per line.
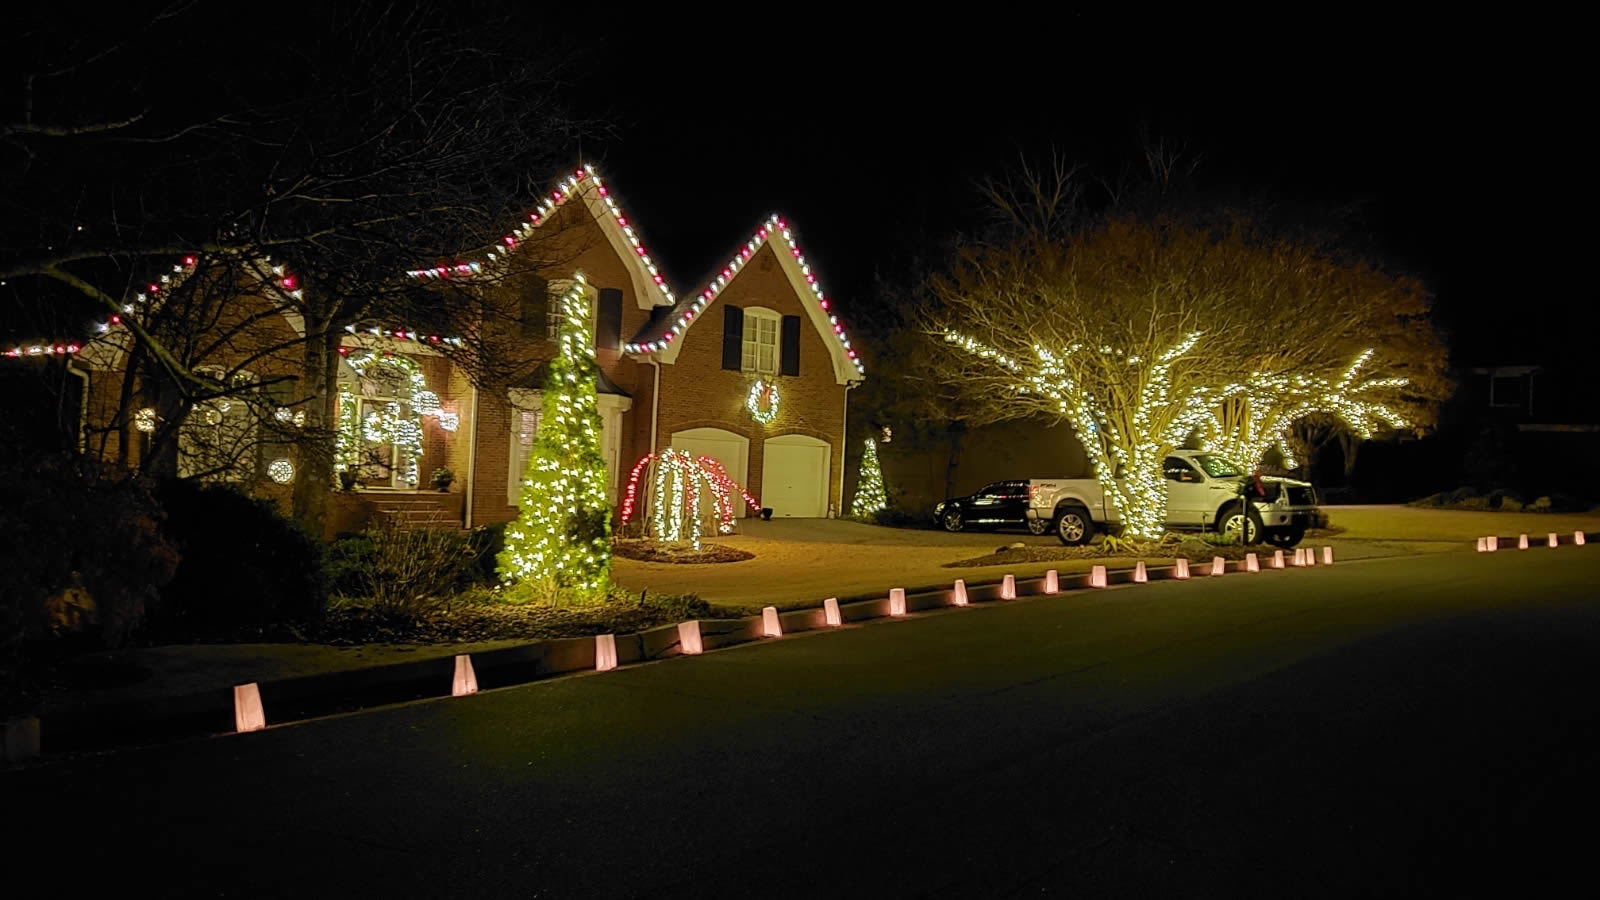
column 329, row 162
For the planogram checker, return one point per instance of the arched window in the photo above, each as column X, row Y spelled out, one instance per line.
column 218, row 439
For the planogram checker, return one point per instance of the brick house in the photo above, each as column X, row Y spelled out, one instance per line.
column 668, row 378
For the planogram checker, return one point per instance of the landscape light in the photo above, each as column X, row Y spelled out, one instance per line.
column 248, row 714
column 605, row 652
column 466, row 680
column 770, row 626
column 689, row 641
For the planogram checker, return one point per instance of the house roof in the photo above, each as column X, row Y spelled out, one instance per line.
column 670, row 316
column 662, row 331
column 650, row 286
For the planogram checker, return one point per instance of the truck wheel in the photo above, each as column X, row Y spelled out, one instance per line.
column 1073, row 526
column 1286, row 537
column 951, row 520
column 1231, row 522
column 1038, row 526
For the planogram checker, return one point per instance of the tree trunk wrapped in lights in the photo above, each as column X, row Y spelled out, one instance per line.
column 871, row 495
column 560, row 545
column 1127, row 423
column 1138, row 327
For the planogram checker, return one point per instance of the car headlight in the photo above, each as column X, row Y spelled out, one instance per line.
column 938, row 508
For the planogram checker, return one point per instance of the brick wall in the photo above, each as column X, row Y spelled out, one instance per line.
column 696, row 392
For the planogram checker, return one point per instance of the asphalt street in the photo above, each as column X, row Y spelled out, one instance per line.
column 1387, row 728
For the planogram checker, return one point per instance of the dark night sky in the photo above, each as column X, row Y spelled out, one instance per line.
column 1460, row 149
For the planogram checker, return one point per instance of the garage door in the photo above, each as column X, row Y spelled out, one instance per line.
column 730, row 449
column 794, row 476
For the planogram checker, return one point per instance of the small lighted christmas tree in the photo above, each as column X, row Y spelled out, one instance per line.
column 871, row 497
column 559, row 548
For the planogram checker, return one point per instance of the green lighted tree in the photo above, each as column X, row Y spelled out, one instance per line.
column 871, row 497
column 559, row 549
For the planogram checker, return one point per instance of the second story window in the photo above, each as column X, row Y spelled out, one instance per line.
column 760, row 341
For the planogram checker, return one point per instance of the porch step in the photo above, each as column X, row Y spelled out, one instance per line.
column 420, row 510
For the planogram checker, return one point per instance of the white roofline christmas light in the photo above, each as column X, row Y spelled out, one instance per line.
column 774, row 225
column 581, row 179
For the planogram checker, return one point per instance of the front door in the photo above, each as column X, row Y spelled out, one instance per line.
column 381, row 463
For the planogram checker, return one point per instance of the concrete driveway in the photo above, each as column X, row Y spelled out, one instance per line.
column 799, row 562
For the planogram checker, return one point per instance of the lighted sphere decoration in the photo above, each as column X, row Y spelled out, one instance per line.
column 682, row 481
column 281, row 470
column 145, row 420
column 763, row 401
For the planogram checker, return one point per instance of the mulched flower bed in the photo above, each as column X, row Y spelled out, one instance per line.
column 1030, row 553
column 682, row 554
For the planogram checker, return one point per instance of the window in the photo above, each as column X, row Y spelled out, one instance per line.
column 524, row 432
column 1217, row 467
column 217, row 440
column 761, row 341
column 1177, row 470
column 558, row 292
column 1505, row 390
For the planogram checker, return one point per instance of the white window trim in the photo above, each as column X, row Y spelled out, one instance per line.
column 752, row 315
column 520, row 401
column 552, row 318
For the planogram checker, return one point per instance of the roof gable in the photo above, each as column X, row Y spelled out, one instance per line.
column 649, row 285
column 663, row 334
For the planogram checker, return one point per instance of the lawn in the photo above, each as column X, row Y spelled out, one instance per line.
column 798, row 562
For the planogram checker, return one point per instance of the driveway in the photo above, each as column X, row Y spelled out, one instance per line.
column 798, row 562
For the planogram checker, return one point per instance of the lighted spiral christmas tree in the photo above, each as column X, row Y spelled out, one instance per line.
column 871, row 496
column 560, row 545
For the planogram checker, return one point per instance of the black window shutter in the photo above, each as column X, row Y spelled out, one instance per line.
column 536, row 308
column 789, row 350
column 732, row 337
column 608, row 324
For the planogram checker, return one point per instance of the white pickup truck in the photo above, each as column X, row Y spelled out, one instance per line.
column 1202, row 494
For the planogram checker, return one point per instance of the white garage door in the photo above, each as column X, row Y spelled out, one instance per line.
column 794, row 476
column 730, row 449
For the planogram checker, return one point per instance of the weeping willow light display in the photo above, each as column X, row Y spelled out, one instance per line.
column 1245, row 420
column 871, row 497
column 1131, row 442
column 682, row 482
column 561, row 540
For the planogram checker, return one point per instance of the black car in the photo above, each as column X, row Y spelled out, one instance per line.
column 1003, row 504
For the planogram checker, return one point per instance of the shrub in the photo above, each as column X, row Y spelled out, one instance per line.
column 486, row 542
column 410, row 573
column 347, row 558
column 1510, row 504
column 1473, row 503
column 83, row 552
column 244, row 566
column 1458, row 495
column 678, row 607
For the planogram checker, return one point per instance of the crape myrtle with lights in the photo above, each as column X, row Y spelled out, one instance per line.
column 559, row 548
column 1140, row 326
